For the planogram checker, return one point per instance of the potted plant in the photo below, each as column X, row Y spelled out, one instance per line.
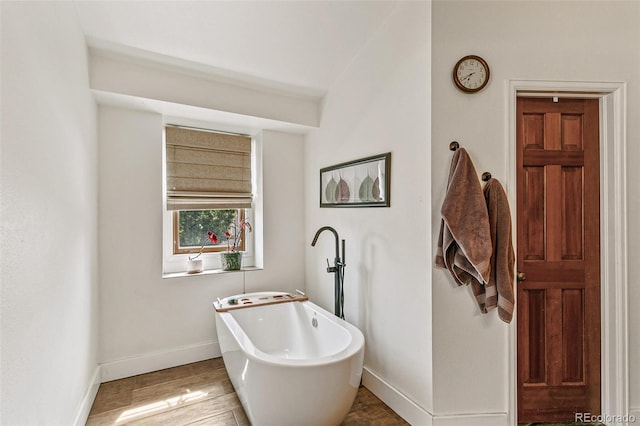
column 232, row 258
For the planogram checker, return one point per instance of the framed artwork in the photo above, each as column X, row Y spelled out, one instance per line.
column 359, row 183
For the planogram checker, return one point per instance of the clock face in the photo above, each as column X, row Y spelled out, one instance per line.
column 471, row 74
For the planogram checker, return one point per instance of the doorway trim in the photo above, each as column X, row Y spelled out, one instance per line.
column 613, row 230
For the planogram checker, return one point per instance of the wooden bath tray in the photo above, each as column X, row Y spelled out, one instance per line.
column 250, row 302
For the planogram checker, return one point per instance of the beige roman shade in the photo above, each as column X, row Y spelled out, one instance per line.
column 207, row 170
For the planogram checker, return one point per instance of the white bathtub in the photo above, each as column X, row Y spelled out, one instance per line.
column 286, row 371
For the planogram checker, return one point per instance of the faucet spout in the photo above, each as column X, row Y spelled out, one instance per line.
column 335, row 234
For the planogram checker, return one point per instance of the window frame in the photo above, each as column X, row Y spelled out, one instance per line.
column 177, row 263
column 207, row 249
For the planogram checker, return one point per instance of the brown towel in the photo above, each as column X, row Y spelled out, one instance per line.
column 499, row 290
column 464, row 244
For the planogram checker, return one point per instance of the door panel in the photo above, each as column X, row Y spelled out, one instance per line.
column 572, row 213
column 573, row 338
column 536, row 305
column 534, row 213
column 558, row 226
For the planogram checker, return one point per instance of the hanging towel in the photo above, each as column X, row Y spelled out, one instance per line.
column 499, row 290
column 464, row 244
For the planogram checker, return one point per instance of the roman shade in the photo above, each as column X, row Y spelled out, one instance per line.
column 207, row 170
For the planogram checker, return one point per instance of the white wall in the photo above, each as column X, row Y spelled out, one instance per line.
column 381, row 103
column 147, row 322
column 573, row 41
column 49, row 217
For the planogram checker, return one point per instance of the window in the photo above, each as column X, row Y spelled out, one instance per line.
column 190, row 229
column 208, row 186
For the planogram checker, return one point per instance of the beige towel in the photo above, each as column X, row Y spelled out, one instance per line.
column 464, row 244
column 499, row 290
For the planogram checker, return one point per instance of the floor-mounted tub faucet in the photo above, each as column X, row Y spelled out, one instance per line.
column 337, row 269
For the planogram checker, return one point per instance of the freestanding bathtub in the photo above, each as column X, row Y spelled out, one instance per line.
column 290, row 363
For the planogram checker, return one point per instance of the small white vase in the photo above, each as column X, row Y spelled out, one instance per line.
column 194, row 266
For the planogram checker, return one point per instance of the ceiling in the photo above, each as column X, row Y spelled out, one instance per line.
column 300, row 44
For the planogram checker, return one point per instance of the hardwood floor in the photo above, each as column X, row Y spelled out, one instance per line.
column 200, row 394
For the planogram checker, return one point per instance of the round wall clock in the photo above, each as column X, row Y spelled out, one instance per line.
column 471, row 74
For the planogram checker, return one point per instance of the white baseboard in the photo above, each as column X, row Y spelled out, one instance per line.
column 132, row 366
column 480, row 419
column 418, row 416
column 396, row 400
column 89, row 397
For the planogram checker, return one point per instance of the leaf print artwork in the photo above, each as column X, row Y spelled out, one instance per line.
column 359, row 183
column 366, row 190
column 376, row 190
column 342, row 191
column 331, row 191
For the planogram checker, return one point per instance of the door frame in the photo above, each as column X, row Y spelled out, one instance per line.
column 613, row 230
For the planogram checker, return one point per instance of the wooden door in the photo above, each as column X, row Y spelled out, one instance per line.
column 558, row 226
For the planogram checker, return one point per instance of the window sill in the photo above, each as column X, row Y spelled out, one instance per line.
column 209, row 272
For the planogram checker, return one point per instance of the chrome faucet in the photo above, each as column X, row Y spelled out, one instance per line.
column 337, row 269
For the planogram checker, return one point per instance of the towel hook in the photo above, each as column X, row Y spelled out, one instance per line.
column 486, row 176
column 454, row 145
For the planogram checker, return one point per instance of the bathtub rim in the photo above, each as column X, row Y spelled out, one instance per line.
column 355, row 345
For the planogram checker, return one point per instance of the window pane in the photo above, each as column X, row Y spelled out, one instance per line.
column 193, row 226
